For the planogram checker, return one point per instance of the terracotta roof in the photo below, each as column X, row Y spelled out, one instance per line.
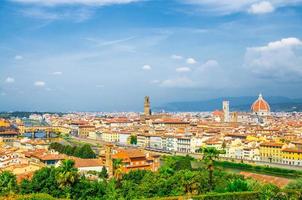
column 52, row 157
column 271, row 144
column 86, row 126
column 292, row 150
column 80, row 162
column 119, row 120
column 218, row 113
column 260, row 105
column 128, row 154
column 170, row 121
column 8, row 133
column 43, row 155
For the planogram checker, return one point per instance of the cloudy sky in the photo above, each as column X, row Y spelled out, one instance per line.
column 106, row 55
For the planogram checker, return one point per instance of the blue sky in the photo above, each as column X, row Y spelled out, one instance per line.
column 106, row 55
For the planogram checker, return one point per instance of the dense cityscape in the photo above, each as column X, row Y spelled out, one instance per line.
column 112, row 145
column 150, row 100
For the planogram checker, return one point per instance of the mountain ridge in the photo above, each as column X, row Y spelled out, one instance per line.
column 277, row 104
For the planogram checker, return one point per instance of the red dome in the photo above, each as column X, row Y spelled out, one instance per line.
column 260, row 105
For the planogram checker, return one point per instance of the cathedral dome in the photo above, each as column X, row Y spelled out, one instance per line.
column 260, row 106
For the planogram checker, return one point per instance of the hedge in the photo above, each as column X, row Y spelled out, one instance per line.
column 229, row 196
column 284, row 194
column 263, row 169
column 29, row 197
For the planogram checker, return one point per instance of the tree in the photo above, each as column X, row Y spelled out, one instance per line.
column 104, row 173
column 297, row 184
column 237, row 185
column 269, row 191
column 210, row 154
column 86, row 152
column 111, row 191
column 178, row 162
column 68, row 150
column 188, row 182
column 86, row 189
column 8, row 183
column 43, row 181
column 133, row 139
column 67, row 176
column 117, row 168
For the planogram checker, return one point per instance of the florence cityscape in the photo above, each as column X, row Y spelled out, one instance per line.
column 150, row 99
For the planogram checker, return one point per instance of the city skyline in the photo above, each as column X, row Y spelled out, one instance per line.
column 101, row 55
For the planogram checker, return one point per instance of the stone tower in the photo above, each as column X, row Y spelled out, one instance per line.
column 109, row 162
column 235, row 117
column 147, row 109
column 226, row 111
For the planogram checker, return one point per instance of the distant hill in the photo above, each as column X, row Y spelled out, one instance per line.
column 236, row 103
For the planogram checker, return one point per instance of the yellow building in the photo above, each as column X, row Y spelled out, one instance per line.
column 63, row 130
column 271, row 152
column 292, row 156
column 4, row 123
column 110, row 136
column 84, row 130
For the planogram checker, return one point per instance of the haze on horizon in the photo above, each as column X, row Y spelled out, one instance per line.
column 106, row 55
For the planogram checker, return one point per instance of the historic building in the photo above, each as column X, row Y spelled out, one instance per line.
column 134, row 159
column 147, row 109
column 260, row 107
column 226, row 111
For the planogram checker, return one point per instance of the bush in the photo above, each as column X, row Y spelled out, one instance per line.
column 273, row 194
column 297, row 184
column 261, row 169
column 36, row 197
column 218, row 196
column 229, row 196
column 29, row 197
column 83, row 151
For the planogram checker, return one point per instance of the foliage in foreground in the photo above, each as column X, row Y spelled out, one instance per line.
column 173, row 179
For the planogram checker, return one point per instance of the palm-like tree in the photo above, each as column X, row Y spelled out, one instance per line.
column 67, row 175
column 8, row 183
column 210, row 154
column 117, row 168
column 189, row 182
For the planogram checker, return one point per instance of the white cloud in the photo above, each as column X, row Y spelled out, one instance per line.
column 155, row 81
column 76, row 15
column 176, row 57
column 233, row 6
column 110, row 42
column 39, row 83
column 100, row 86
column 209, row 64
column 276, row 45
column 9, row 80
column 146, row 67
column 58, row 73
column 201, row 77
column 279, row 59
column 74, row 2
column 181, row 82
column 18, row 57
column 40, row 14
column 183, row 69
column 191, row 61
column 261, row 8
